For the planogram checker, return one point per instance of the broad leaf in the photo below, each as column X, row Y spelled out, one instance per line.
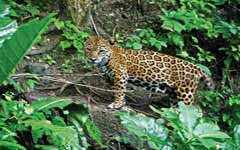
column 46, row 147
column 237, row 135
column 48, row 103
column 13, row 49
column 170, row 115
column 209, row 143
column 145, row 127
column 63, row 137
column 78, row 116
column 207, row 130
column 7, row 25
column 11, row 145
column 79, row 130
column 189, row 115
column 94, row 132
column 217, row 134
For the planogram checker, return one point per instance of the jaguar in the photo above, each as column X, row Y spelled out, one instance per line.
column 154, row 71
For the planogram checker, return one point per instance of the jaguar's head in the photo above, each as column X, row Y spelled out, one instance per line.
column 97, row 50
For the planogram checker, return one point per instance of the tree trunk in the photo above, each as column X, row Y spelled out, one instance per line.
column 78, row 11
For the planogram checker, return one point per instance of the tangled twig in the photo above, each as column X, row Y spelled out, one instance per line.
column 61, row 80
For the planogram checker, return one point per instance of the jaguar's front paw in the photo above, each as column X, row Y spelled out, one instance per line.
column 116, row 105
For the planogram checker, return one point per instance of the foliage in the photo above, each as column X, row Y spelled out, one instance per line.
column 232, row 114
column 207, row 33
column 185, row 25
column 67, row 66
column 8, row 54
column 21, row 10
column 39, row 124
column 222, row 106
column 189, row 130
column 16, row 118
column 147, row 38
column 147, row 129
column 234, row 143
column 72, row 37
column 49, row 60
column 28, row 9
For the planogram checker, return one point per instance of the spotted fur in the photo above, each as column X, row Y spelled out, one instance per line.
column 151, row 70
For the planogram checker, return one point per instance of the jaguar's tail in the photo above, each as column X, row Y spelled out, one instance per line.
column 208, row 81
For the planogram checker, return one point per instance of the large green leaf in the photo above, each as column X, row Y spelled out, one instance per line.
column 63, row 137
column 204, row 128
column 146, row 128
column 94, row 132
column 207, row 130
column 13, row 49
column 217, row 134
column 46, row 147
column 237, row 135
column 208, row 143
column 48, row 103
column 78, row 116
column 7, row 25
column 170, row 115
column 11, row 145
column 189, row 115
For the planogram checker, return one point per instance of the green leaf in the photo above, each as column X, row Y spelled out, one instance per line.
column 204, row 128
column 13, row 50
column 146, row 128
column 173, row 25
column 137, row 45
column 11, row 145
column 65, row 44
column 7, row 25
column 176, row 39
column 219, row 2
column 63, row 137
column 217, row 134
column 78, row 44
column 236, row 135
column 170, row 115
column 5, row 133
column 195, row 40
column 77, row 117
column 209, row 143
column 189, row 115
column 205, row 69
column 207, row 130
column 94, row 132
column 59, row 24
column 183, row 54
column 49, row 103
column 122, row 139
column 46, row 147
